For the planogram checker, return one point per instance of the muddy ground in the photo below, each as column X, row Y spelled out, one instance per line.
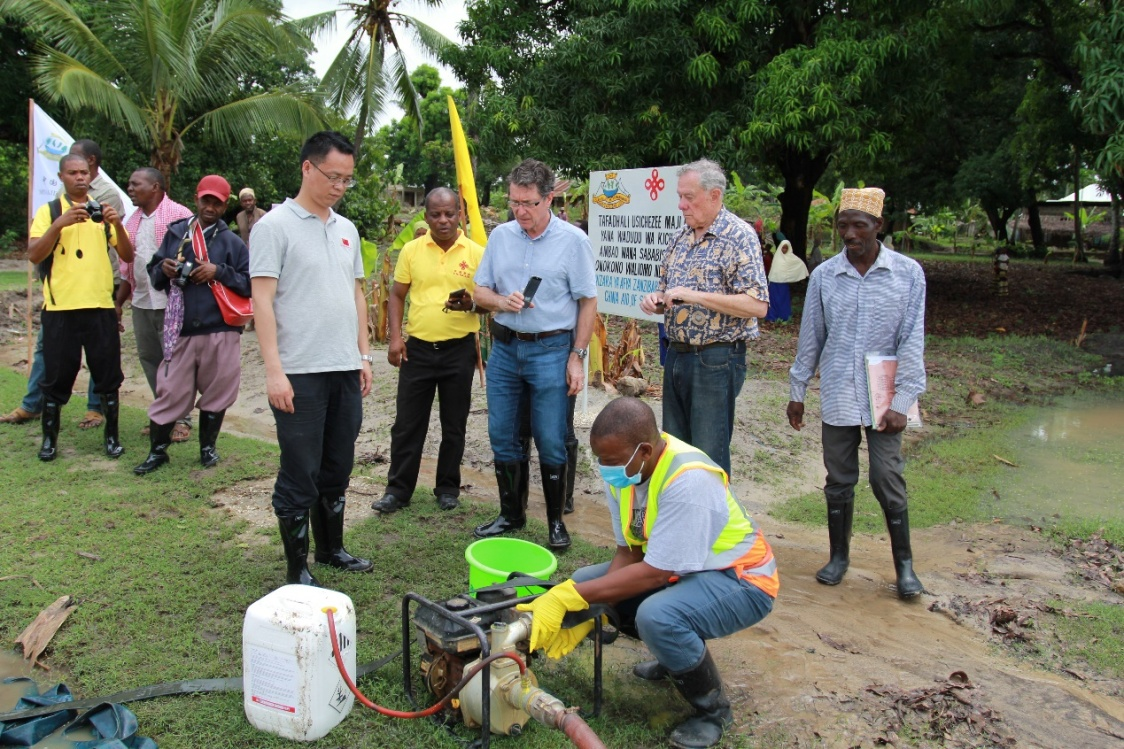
column 837, row 667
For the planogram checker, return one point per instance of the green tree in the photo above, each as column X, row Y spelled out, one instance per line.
column 361, row 75
column 426, row 160
column 159, row 69
column 1100, row 104
column 759, row 85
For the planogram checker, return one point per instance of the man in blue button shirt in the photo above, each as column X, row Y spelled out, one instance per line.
column 538, row 347
column 868, row 299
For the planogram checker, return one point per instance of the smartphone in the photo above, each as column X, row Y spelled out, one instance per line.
column 529, row 292
column 457, row 294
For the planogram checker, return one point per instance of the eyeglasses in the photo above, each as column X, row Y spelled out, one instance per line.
column 345, row 182
column 524, row 203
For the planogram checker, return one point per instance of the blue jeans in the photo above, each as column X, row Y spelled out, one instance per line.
column 675, row 621
column 33, row 400
column 699, row 392
column 538, row 368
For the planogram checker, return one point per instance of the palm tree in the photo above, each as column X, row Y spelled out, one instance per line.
column 161, row 68
column 361, row 73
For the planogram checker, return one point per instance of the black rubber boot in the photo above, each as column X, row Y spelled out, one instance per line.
column 650, row 671
column 510, row 478
column 50, row 419
column 554, row 490
column 294, row 537
column 897, row 523
column 839, row 517
column 571, row 474
column 210, row 424
column 525, row 472
column 111, row 410
column 159, row 437
column 327, row 532
column 701, row 686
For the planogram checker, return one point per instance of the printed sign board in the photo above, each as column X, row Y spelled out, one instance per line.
column 633, row 214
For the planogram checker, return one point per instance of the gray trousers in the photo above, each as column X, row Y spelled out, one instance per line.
column 841, row 459
column 148, row 327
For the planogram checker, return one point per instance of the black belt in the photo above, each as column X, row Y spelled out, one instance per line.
column 507, row 335
column 690, row 348
column 438, row 345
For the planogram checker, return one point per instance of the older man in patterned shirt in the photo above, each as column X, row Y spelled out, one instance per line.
column 712, row 290
column 868, row 299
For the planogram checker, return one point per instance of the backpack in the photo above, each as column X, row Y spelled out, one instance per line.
column 44, row 266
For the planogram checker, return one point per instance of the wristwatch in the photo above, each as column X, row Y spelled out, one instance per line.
column 370, row 358
column 581, row 352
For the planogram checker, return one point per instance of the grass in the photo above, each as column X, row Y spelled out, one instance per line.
column 1092, row 633
column 13, row 280
column 165, row 596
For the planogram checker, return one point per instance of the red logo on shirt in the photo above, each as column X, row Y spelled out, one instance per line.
column 464, row 265
column 346, row 241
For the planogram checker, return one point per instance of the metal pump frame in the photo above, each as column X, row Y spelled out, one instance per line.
column 482, row 638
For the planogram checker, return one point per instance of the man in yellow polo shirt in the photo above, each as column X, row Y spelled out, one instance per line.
column 78, row 307
column 438, row 353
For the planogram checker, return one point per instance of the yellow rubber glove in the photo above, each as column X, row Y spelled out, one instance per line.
column 567, row 639
column 548, row 610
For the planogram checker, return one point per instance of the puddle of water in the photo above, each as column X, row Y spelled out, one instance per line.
column 11, row 665
column 1070, row 464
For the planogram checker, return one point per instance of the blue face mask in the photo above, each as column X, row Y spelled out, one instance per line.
column 617, row 476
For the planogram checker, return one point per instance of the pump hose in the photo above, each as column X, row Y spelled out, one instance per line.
column 168, row 689
column 579, row 733
column 410, row 715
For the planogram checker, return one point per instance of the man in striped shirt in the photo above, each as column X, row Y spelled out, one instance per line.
column 868, row 299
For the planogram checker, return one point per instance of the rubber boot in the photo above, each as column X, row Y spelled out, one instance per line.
column 210, row 424
column 510, row 478
column 839, row 517
column 897, row 523
column 525, row 472
column 554, row 490
column 571, row 474
column 650, row 671
column 111, row 410
column 159, row 437
column 294, row 537
column 701, row 686
column 327, row 532
column 50, row 419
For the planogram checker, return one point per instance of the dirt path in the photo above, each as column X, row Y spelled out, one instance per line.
column 834, row 667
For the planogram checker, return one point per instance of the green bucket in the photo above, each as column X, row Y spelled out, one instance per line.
column 492, row 560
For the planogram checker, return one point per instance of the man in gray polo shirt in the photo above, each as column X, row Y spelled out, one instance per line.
column 537, row 348
column 311, row 316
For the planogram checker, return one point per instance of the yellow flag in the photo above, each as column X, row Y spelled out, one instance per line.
column 465, row 181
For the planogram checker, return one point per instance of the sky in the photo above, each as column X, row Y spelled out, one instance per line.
column 444, row 20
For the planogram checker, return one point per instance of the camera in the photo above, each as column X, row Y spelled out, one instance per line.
column 183, row 273
column 93, row 208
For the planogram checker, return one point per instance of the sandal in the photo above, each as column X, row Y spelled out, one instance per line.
column 181, row 432
column 19, row 416
column 92, row 420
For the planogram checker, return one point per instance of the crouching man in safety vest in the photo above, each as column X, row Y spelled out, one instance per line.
column 690, row 564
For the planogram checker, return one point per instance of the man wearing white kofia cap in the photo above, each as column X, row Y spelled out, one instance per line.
column 868, row 299
column 249, row 214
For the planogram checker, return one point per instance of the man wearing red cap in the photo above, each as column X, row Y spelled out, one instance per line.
column 202, row 353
